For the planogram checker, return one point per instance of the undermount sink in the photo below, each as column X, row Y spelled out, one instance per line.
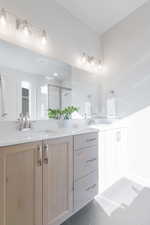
column 66, row 130
column 52, row 132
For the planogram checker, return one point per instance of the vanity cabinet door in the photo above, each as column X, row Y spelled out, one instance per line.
column 21, row 174
column 1, row 191
column 57, row 180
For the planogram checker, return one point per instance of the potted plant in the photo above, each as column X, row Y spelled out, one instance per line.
column 62, row 115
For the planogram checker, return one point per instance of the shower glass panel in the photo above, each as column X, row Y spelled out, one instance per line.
column 53, row 97
column 58, row 97
column 65, row 98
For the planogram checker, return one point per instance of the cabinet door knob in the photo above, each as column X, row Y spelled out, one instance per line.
column 39, row 155
column 45, row 153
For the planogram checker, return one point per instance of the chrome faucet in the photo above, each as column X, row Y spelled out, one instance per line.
column 24, row 122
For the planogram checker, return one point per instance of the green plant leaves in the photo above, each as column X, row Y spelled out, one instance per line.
column 62, row 113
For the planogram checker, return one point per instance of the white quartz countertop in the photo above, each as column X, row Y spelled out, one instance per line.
column 21, row 137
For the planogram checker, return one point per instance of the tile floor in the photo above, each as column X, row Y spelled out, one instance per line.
column 134, row 210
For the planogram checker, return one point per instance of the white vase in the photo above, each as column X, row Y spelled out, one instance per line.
column 63, row 123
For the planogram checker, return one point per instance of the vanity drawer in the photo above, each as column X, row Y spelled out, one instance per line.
column 85, row 140
column 85, row 190
column 85, row 161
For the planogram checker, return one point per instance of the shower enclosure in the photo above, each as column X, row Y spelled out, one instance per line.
column 59, row 97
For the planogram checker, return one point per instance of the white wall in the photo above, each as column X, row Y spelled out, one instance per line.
column 138, row 145
column 127, row 58
column 69, row 38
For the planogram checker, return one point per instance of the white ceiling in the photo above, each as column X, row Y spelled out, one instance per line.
column 101, row 15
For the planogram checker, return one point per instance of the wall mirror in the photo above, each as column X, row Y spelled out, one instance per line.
column 31, row 84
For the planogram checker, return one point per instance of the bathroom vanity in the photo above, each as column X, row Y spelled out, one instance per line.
column 47, row 177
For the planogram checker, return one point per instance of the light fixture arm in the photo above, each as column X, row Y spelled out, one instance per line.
column 93, row 62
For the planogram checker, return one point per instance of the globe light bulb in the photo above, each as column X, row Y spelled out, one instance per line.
column 44, row 38
column 84, row 58
column 100, row 67
column 3, row 17
column 26, row 29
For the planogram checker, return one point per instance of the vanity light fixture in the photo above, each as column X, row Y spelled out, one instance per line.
column 92, row 61
column 44, row 37
column 3, row 17
column 83, row 58
column 100, row 67
column 23, row 26
column 26, row 28
column 93, row 64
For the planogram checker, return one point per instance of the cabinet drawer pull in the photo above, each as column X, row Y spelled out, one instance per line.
column 45, row 154
column 91, row 160
column 39, row 155
column 91, row 187
column 90, row 139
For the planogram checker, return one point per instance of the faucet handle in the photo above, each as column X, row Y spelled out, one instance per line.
column 20, row 116
column 21, row 121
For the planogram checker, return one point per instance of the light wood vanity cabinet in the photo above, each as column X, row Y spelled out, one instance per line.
column 36, row 182
column 21, row 185
column 85, row 169
column 57, row 180
column 1, row 191
column 44, row 183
